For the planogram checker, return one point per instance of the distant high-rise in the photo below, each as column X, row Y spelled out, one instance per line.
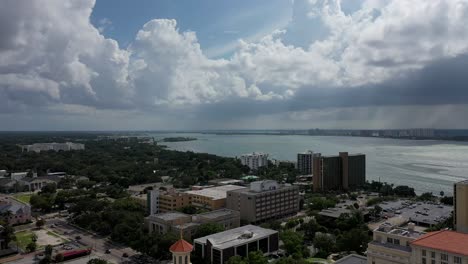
column 460, row 206
column 305, row 162
column 254, row 160
column 342, row 172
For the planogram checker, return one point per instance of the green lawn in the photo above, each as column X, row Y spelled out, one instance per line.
column 23, row 197
column 23, row 238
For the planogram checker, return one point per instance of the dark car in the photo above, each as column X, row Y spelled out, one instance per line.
column 108, row 251
column 125, row 255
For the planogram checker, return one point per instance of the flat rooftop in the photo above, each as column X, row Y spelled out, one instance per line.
column 465, row 182
column 216, row 193
column 217, row 213
column 236, row 236
column 169, row 216
column 387, row 228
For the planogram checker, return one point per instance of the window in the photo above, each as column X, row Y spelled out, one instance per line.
column 457, row 260
column 443, row 256
column 433, row 261
column 432, row 254
column 390, row 240
column 424, row 252
column 396, row 241
column 423, row 260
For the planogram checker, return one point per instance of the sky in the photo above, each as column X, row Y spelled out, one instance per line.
column 220, row 64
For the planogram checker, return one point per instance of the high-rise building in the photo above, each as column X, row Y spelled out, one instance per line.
column 460, row 206
column 305, row 162
column 342, row 172
column 254, row 160
column 264, row 200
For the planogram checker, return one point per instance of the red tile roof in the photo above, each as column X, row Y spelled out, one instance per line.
column 181, row 246
column 445, row 240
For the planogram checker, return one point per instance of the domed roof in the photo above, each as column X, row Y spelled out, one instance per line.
column 181, row 246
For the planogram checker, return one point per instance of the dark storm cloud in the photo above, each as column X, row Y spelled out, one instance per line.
column 440, row 83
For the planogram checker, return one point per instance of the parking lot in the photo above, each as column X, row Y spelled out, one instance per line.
column 420, row 213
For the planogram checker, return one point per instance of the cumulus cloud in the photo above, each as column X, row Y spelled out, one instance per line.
column 384, row 52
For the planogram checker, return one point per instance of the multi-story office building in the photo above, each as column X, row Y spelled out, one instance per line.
column 153, row 201
column 219, row 247
column 342, row 172
column 305, row 162
column 211, row 198
column 264, row 200
column 460, row 206
column 392, row 244
column 254, row 160
column 172, row 200
column 176, row 221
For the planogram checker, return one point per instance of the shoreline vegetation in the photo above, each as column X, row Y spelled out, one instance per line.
column 178, row 139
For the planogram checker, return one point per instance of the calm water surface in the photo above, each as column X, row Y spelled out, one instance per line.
column 426, row 165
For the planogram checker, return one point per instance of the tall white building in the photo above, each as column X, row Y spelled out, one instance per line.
column 305, row 162
column 254, row 160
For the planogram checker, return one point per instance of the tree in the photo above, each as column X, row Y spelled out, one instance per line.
column 49, row 188
column 48, row 250
column 34, row 237
column 97, row 261
column 324, row 242
column 257, row 257
column 8, row 234
column 31, row 247
column 405, row 191
column 207, row 229
column 448, row 200
column 293, row 242
column 40, row 223
column 354, row 240
column 290, row 260
column 236, row 260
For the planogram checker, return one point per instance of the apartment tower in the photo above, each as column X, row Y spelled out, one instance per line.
column 460, row 206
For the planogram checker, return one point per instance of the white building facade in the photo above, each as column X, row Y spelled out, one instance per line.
column 254, row 160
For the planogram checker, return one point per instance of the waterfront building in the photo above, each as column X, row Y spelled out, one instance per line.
column 211, row 198
column 305, row 162
column 460, row 206
column 342, row 172
column 264, row 200
column 254, row 160
column 218, row 248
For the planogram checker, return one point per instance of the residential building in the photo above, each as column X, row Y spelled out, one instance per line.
column 67, row 146
column 211, row 198
column 391, row 244
column 444, row 247
column 179, row 222
column 305, row 162
column 460, row 206
column 219, row 247
column 15, row 212
column 16, row 176
column 254, row 160
column 264, row 200
column 8, row 185
column 342, row 172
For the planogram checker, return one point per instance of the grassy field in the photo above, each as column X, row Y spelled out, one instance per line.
column 23, row 238
column 23, row 197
